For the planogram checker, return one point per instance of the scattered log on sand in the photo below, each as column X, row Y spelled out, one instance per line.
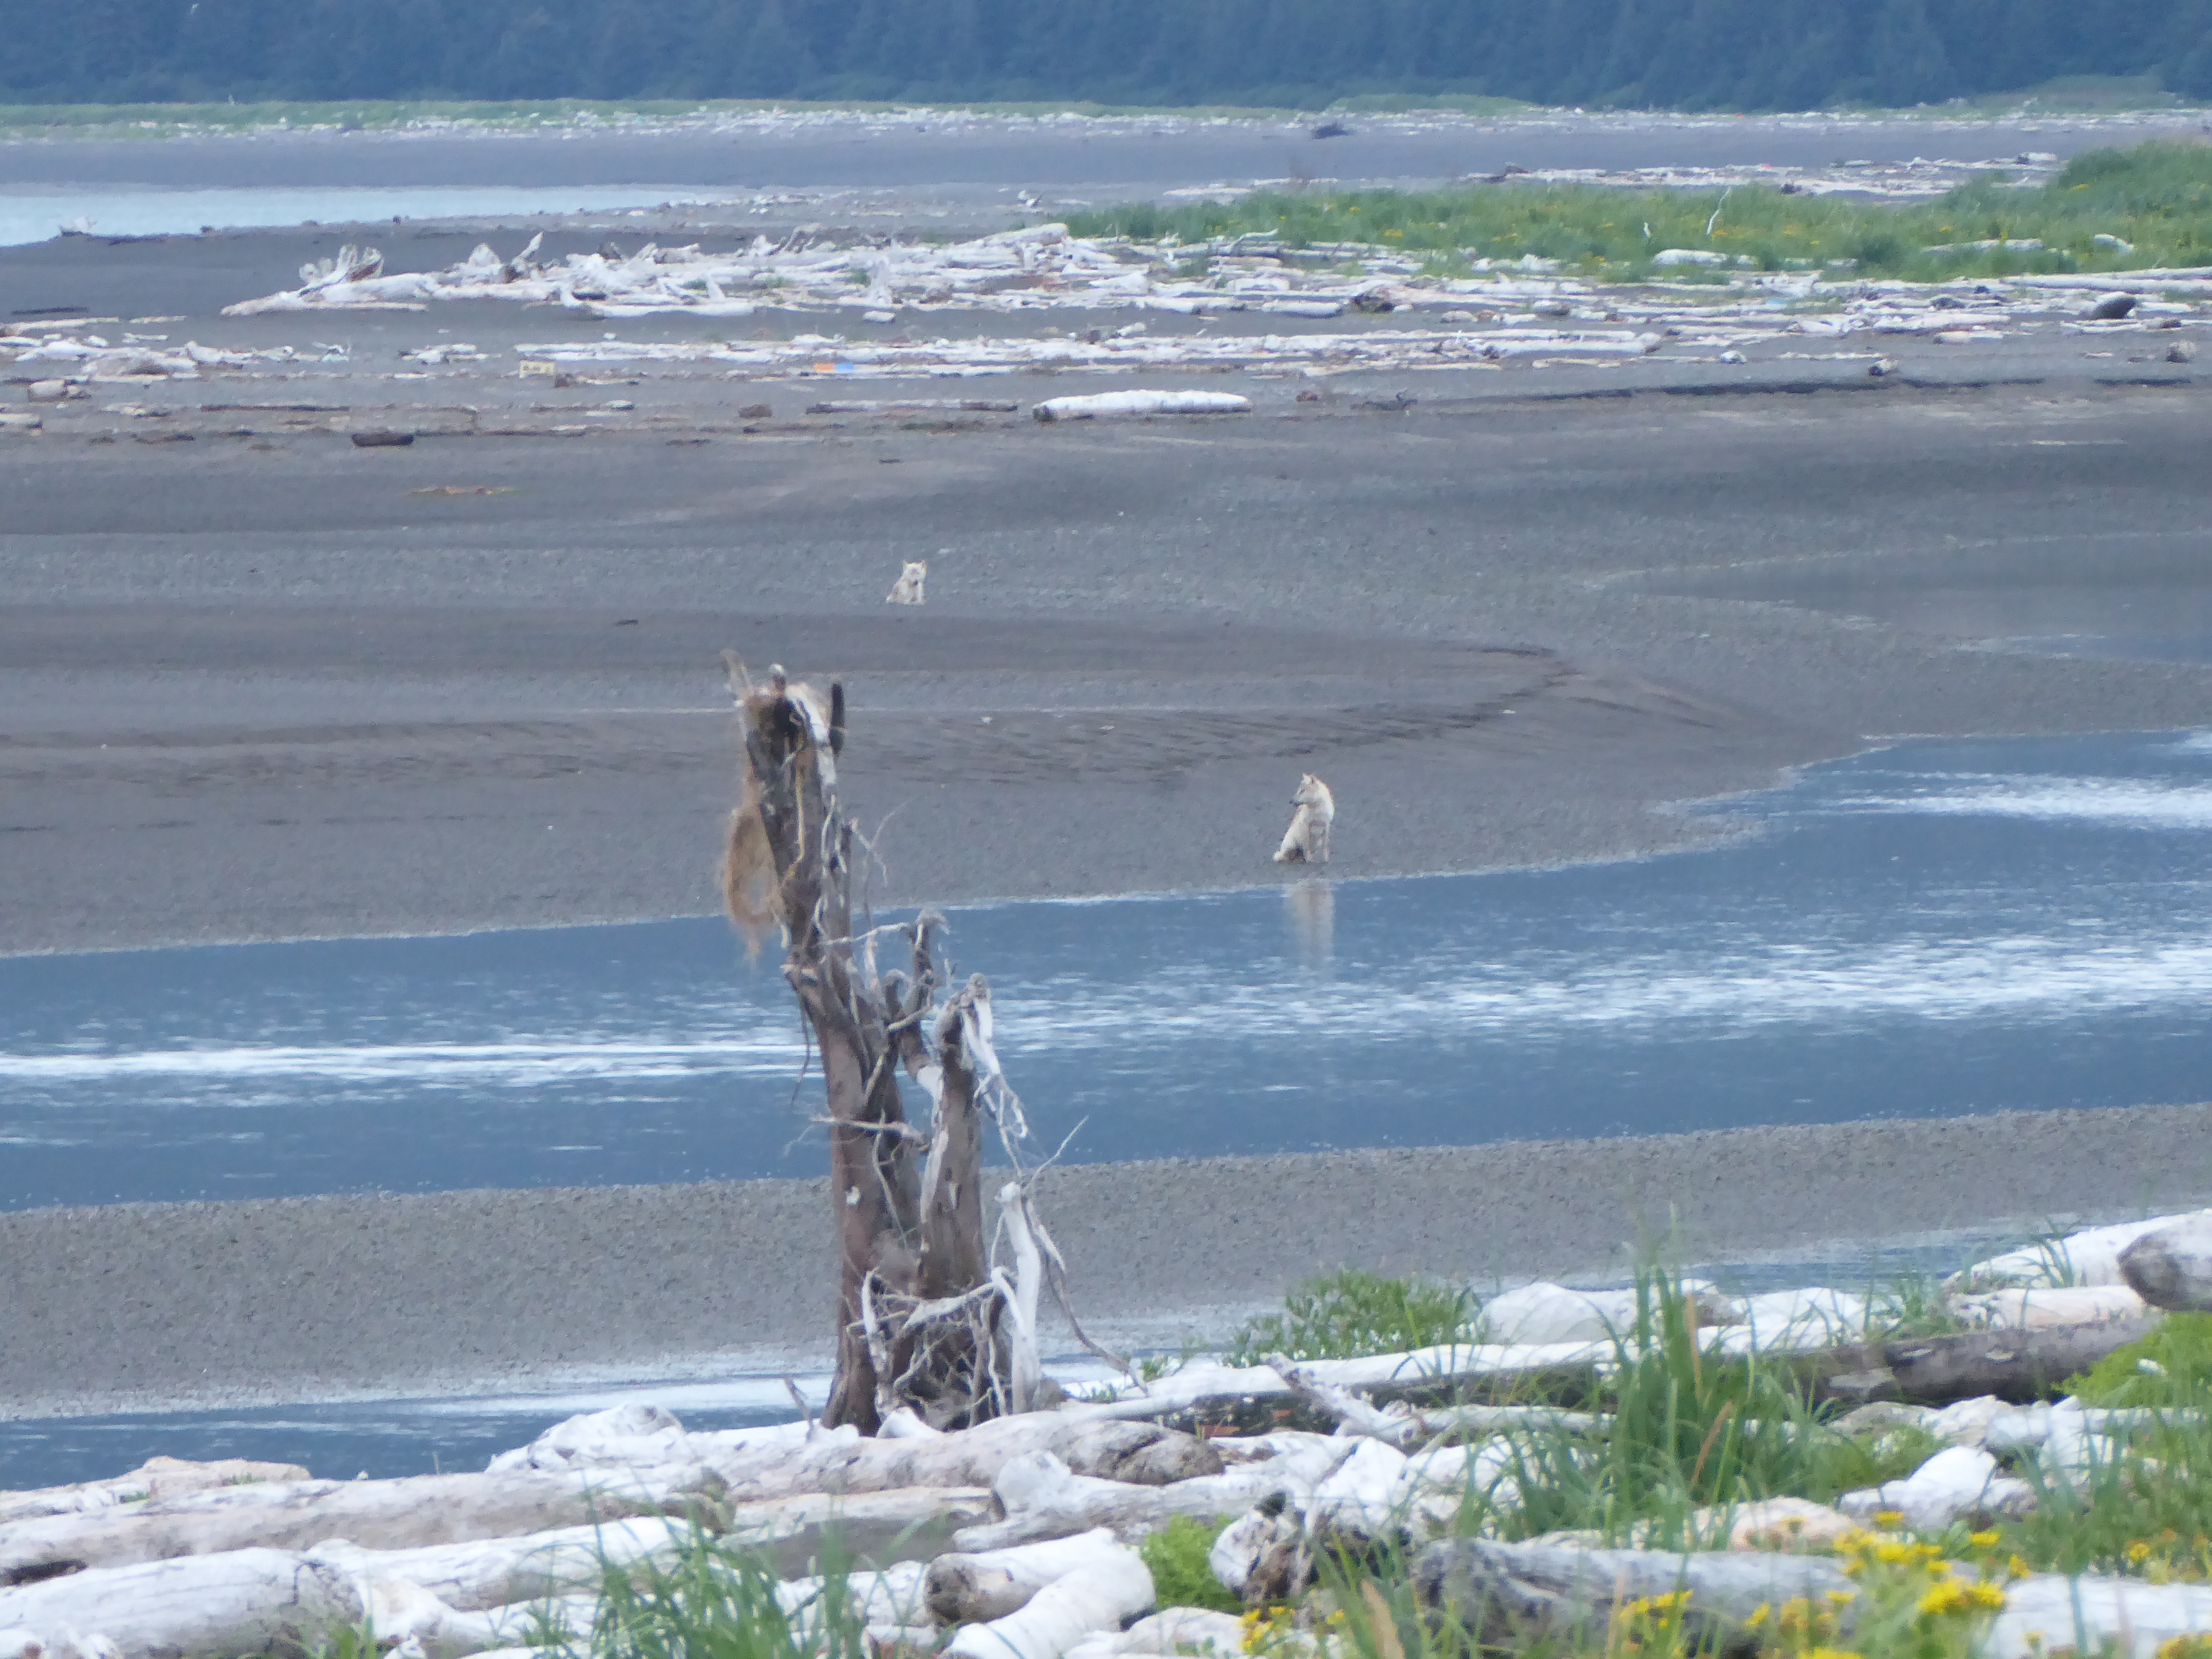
column 1104, row 404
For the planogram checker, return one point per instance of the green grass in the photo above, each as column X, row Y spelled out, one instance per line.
column 1181, row 1576
column 715, row 1601
column 1349, row 1313
column 2156, row 196
column 2170, row 1367
column 1690, row 1430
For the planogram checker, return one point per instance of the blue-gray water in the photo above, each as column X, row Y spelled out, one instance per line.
column 1938, row 928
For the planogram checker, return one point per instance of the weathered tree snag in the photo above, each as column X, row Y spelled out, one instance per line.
column 919, row 1307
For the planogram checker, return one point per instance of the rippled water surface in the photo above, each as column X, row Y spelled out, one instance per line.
column 1938, row 928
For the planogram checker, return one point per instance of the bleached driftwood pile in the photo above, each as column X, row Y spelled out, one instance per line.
column 1273, row 311
column 1011, row 1539
column 1044, row 267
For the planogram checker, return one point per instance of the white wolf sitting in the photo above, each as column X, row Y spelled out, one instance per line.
column 1306, row 841
column 907, row 590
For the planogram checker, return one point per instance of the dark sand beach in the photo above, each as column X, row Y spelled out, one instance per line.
column 258, row 683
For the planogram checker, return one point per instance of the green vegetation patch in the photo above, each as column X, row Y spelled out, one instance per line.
column 2170, row 1367
column 1349, row 1313
column 2156, row 199
column 1182, row 1577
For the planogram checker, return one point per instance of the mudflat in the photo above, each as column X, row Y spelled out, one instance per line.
column 275, row 685
column 259, row 683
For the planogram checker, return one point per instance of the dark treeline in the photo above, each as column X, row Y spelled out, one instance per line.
column 1745, row 54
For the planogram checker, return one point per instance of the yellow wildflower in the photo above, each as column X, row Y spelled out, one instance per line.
column 1985, row 1541
column 1889, row 1517
column 1946, row 1596
column 2137, row 1552
column 1987, row 1596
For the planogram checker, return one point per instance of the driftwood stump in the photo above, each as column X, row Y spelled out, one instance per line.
column 921, row 1311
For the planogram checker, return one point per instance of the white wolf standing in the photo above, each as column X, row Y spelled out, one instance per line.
column 907, row 590
column 1306, row 841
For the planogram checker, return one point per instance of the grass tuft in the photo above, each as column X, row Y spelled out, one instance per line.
column 1181, row 1576
column 1349, row 1313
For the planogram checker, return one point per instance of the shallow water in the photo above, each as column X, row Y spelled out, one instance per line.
column 33, row 215
column 1939, row 928
column 168, row 186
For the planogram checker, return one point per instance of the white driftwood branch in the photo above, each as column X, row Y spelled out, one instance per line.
column 1021, row 1292
column 1044, row 1499
column 975, row 1588
column 1101, row 1595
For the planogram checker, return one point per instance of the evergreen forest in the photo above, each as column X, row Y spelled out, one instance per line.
column 1683, row 54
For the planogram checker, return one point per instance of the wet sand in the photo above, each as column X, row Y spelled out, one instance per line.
column 134, row 1305
column 256, row 683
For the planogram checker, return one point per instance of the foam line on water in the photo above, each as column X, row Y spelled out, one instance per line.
column 2133, row 802
column 518, row 1064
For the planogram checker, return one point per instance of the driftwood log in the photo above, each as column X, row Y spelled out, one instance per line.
column 200, row 1607
column 1514, row 1594
column 1102, row 1593
column 2172, row 1266
column 423, row 1509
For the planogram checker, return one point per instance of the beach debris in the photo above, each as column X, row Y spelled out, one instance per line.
column 1306, row 841
column 1517, row 1596
column 157, row 1477
column 12, row 422
column 1959, row 1482
column 1040, row 1507
column 48, row 391
column 2169, row 1265
column 1105, row 404
column 376, row 1514
column 2087, row 1256
column 2112, row 306
column 900, row 406
column 2043, row 1308
column 2181, row 351
column 907, row 590
column 382, row 439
